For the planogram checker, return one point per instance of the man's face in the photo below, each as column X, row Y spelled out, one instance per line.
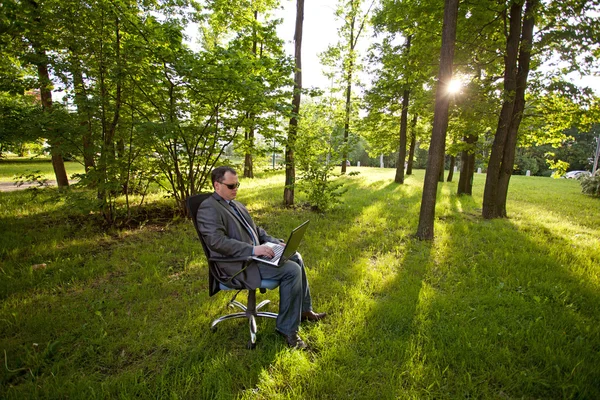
column 225, row 191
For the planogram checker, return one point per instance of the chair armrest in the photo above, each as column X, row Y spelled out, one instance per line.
column 246, row 261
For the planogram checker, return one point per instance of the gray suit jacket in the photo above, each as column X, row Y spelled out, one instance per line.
column 226, row 236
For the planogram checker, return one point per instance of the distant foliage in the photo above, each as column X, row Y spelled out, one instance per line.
column 591, row 185
column 559, row 167
column 317, row 154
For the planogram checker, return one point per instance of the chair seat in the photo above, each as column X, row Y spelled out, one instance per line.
column 264, row 284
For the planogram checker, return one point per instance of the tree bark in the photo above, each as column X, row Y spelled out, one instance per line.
column 490, row 195
column 41, row 63
column 58, row 163
column 467, row 167
column 248, row 162
column 402, row 146
column 290, row 169
column 442, row 164
column 413, row 145
column 85, row 118
column 348, row 98
column 508, row 158
column 451, row 169
column 440, row 122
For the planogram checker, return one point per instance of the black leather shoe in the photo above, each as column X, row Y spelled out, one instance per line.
column 313, row 316
column 293, row 340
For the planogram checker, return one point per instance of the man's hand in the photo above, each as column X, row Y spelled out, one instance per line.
column 264, row 250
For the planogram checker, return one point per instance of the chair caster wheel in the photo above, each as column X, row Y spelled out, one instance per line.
column 250, row 345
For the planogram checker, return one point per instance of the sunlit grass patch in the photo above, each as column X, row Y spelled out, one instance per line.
column 14, row 167
column 489, row 309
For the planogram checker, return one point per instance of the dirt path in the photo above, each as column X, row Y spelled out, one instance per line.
column 11, row 187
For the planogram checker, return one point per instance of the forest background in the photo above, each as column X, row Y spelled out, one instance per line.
column 141, row 109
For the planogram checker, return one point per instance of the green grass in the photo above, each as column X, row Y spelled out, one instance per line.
column 489, row 309
column 12, row 167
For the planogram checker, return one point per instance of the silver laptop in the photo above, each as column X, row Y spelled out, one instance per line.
column 283, row 253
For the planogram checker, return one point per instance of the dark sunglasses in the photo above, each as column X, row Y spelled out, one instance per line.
column 231, row 186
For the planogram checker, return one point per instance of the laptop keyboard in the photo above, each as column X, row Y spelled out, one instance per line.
column 278, row 252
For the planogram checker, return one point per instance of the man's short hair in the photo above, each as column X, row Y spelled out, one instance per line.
column 218, row 174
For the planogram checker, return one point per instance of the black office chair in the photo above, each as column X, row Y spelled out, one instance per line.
column 251, row 310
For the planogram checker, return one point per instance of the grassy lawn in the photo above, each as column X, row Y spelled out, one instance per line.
column 15, row 166
column 497, row 309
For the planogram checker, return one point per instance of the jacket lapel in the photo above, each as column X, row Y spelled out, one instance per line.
column 235, row 215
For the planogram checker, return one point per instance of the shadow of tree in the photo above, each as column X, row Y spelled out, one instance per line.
column 128, row 315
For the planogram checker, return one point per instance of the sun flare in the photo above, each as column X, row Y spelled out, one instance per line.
column 455, row 86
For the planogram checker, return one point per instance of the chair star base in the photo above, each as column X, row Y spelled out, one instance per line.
column 251, row 312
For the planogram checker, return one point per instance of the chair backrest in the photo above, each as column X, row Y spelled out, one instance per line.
column 193, row 204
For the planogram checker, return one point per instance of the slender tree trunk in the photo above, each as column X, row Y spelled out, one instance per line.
column 41, row 63
column 351, row 45
column 440, row 122
column 85, row 119
column 467, row 167
column 451, row 169
column 490, row 195
column 413, row 145
column 290, row 169
column 112, row 128
column 348, row 111
column 248, row 162
column 403, row 124
column 106, row 191
column 508, row 158
column 402, row 146
column 58, row 163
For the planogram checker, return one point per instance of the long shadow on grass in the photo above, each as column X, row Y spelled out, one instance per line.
column 510, row 316
column 368, row 274
column 142, row 329
column 220, row 365
column 49, row 240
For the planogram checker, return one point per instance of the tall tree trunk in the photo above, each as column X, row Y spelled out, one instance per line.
column 249, row 138
column 451, row 169
column 58, row 163
column 85, row 118
column 440, row 122
column 490, row 194
column 508, row 158
column 248, row 162
column 467, row 167
column 106, row 190
column 442, row 165
column 290, row 169
column 413, row 145
column 41, row 63
column 112, row 130
column 402, row 146
column 348, row 100
column 403, row 124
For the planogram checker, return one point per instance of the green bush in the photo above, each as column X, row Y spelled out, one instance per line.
column 591, row 185
column 317, row 155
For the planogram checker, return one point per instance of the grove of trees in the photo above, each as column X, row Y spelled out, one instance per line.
column 139, row 107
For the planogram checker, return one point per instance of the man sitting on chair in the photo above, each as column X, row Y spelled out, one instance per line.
column 228, row 230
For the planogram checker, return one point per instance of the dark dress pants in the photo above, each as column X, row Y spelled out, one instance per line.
column 294, row 293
